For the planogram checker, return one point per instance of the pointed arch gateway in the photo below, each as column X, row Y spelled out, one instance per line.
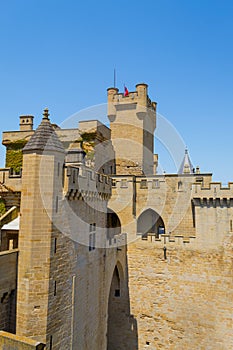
column 115, row 311
column 150, row 223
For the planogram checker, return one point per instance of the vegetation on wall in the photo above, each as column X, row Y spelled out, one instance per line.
column 14, row 155
column 2, row 207
column 88, row 136
column 88, row 144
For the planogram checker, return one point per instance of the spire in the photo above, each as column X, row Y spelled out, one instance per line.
column 186, row 166
column 46, row 114
column 44, row 138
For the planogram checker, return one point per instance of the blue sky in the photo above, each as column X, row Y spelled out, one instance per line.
column 61, row 55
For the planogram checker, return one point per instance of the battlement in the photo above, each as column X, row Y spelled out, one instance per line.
column 215, row 190
column 168, row 239
column 117, row 241
column 139, row 96
column 83, row 182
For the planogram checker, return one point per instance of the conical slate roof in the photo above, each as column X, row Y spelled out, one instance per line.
column 44, row 138
column 186, row 166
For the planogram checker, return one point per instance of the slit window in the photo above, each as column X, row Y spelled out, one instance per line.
column 55, row 245
column 51, row 342
column 55, row 288
column 92, row 236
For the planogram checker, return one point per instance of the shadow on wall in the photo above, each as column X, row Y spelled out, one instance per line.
column 122, row 330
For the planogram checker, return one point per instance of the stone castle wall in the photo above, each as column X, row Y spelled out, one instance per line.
column 8, row 287
column 185, row 301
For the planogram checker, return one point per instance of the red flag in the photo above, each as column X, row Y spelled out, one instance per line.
column 126, row 93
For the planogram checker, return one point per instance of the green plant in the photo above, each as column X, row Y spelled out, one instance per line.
column 2, row 207
column 14, row 155
column 88, row 136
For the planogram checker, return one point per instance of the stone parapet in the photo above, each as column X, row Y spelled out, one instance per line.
column 215, row 195
column 14, row 342
column 168, row 239
column 117, row 241
column 80, row 181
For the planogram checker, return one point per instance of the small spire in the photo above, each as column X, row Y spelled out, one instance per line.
column 186, row 166
column 46, row 114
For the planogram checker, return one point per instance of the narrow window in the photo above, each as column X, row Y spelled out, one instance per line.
column 56, row 204
column 93, row 241
column 58, row 169
column 55, row 245
column 92, row 236
column 113, row 183
column 51, row 342
column 55, row 288
column 230, row 225
column 180, row 185
column 90, row 242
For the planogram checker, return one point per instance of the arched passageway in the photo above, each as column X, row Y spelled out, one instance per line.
column 150, row 223
column 115, row 309
column 113, row 224
column 122, row 332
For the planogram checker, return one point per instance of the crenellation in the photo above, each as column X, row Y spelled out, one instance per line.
column 215, row 190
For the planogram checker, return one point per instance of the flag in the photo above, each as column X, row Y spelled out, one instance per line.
column 126, row 92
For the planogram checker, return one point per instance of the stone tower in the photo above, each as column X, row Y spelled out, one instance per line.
column 132, row 122
column 43, row 159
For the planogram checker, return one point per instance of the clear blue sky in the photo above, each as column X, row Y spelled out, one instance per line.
column 61, row 55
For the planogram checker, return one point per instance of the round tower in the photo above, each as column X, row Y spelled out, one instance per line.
column 43, row 159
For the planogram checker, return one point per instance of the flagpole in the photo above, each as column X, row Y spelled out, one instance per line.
column 114, row 78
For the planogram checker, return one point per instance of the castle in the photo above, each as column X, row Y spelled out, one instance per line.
column 100, row 251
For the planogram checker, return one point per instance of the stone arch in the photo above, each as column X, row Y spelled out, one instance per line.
column 116, row 309
column 150, row 223
column 113, row 224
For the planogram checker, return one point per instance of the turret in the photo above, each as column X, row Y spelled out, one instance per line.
column 43, row 159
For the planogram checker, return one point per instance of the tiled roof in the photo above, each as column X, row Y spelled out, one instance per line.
column 44, row 138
